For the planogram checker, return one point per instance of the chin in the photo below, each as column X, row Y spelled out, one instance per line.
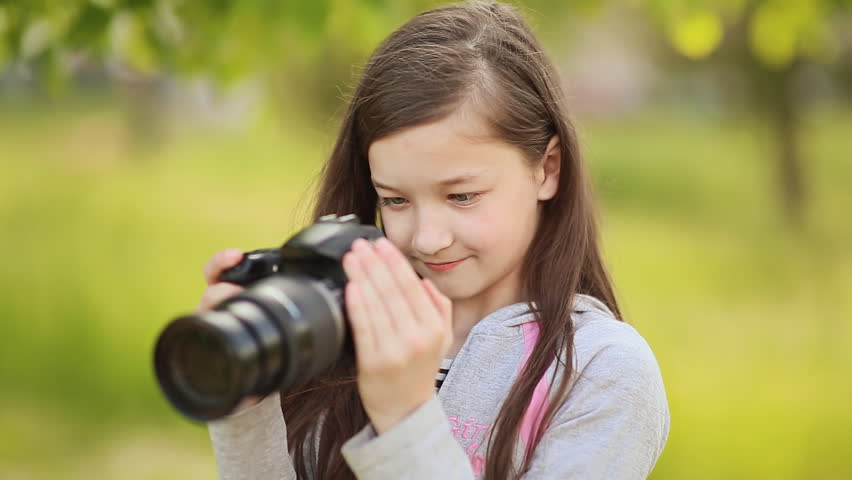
column 456, row 290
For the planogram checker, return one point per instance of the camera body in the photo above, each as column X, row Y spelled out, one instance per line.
column 287, row 326
column 315, row 251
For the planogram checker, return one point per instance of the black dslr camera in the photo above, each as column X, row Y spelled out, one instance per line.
column 288, row 325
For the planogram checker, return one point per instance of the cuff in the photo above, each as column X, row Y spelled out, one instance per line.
column 252, row 443
column 420, row 446
column 249, row 419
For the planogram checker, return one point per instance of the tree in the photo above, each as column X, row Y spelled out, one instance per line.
column 770, row 42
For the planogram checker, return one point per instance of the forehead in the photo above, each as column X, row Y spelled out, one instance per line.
column 429, row 154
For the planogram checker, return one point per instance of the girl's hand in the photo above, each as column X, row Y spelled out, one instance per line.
column 402, row 328
column 216, row 292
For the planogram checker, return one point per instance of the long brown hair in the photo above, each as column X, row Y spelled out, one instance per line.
column 482, row 54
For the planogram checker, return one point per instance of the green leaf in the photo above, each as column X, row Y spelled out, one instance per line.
column 130, row 42
column 37, row 36
column 818, row 43
column 5, row 55
column 5, row 19
column 772, row 36
column 89, row 28
column 698, row 34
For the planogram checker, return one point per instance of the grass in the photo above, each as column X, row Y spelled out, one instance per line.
column 751, row 322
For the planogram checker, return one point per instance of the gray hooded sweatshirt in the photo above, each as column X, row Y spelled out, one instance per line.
column 613, row 424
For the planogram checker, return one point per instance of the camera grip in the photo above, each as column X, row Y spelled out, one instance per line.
column 254, row 266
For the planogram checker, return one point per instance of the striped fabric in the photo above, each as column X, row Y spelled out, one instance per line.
column 442, row 373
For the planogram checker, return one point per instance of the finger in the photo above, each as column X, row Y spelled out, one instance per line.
column 362, row 335
column 402, row 317
column 441, row 301
column 216, row 294
column 408, row 283
column 445, row 306
column 220, row 262
column 380, row 324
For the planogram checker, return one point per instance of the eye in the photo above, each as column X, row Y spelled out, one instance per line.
column 392, row 201
column 464, row 198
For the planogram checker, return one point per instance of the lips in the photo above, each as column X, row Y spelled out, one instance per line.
column 443, row 267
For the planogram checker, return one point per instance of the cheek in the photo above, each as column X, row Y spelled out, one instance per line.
column 397, row 231
column 483, row 229
column 503, row 226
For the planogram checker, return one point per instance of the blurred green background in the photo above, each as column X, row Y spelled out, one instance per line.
column 139, row 137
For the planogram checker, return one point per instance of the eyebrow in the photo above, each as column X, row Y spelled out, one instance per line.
column 448, row 182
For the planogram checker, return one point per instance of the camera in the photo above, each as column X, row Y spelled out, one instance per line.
column 288, row 325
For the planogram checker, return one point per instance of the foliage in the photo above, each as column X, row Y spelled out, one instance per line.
column 779, row 31
column 225, row 38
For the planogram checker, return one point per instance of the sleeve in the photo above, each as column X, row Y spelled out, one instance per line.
column 421, row 446
column 252, row 444
column 614, row 422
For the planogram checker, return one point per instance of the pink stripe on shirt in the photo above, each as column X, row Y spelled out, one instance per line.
column 535, row 410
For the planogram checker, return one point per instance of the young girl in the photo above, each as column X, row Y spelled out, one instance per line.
column 457, row 143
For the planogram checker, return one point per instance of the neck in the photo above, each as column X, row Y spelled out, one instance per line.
column 467, row 312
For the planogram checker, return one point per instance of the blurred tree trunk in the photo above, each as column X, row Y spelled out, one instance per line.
column 144, row 107
column 784, row 112
column 772, row 92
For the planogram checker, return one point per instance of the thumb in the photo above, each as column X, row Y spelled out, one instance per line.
column 442, row 303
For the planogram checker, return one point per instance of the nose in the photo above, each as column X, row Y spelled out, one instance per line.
column 431, row 234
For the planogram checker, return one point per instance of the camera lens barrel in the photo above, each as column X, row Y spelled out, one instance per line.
column 278, row 333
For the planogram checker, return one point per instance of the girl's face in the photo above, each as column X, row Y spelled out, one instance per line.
column 462, row 206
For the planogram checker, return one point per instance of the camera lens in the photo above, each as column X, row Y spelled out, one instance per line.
column 281, row 331
column 205, row 362
column 201, row 364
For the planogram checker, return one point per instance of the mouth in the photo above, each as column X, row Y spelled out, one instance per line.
column 443, row 267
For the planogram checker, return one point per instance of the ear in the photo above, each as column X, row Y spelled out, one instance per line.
column 547, row 172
